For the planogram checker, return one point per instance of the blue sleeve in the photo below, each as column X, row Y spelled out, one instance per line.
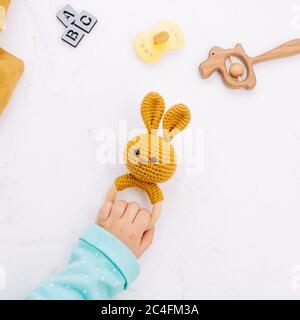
column 100, row 267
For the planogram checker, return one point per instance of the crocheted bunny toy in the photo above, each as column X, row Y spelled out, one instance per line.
column 151, row 159
column 11, row 68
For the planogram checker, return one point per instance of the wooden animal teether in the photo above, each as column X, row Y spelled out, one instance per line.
column 11, row 68
column 238, row 76
column 151, row 159
column 150, row 45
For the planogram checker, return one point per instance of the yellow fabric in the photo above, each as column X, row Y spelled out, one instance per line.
column 150, row 158
column 5, row 3
column 11, row 69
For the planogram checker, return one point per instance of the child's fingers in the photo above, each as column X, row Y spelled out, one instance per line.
column 104, row 212
column 118, row 209
column 131, row 211
column 146, row 241
column 141, row 221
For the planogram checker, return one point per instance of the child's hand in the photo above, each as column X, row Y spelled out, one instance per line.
column 127, row 222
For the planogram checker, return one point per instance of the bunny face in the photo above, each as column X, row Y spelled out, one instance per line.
column 149, row 157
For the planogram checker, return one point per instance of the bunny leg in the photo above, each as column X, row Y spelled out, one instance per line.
column 128, row 180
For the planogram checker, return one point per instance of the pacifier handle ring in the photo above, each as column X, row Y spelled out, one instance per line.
column 156, row 210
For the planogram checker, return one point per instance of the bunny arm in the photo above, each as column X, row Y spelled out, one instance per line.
column 128, row 180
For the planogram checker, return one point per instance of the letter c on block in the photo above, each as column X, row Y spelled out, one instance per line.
column 86, row 18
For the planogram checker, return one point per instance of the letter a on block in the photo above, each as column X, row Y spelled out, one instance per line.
column 66, row 15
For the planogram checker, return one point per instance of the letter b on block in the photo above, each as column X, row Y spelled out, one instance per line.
column 73, row 36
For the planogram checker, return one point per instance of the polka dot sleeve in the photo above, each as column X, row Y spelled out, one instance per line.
column 99, row 268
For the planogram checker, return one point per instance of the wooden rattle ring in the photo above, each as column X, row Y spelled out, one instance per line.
column 156, row 210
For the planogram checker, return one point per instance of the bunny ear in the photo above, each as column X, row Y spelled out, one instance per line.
column 152, row 110
column 175, row 120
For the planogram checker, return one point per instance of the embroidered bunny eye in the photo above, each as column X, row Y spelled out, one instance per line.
column 137, row 152
column 153, row 160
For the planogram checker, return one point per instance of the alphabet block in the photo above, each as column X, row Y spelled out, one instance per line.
column 85, row 21
column 73, row 36
column 66, row 15
column 77, row 24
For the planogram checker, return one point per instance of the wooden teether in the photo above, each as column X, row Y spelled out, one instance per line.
column 150, row 158
column 232, row 77
column 150, row 45
column 156, row 209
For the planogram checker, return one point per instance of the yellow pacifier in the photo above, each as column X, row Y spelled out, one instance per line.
column 150, row 45
column 2, row 17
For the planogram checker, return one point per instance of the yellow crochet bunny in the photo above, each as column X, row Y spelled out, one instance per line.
column 11, row 68
column 151, row 159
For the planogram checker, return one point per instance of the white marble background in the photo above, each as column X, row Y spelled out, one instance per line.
column 231, row 232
